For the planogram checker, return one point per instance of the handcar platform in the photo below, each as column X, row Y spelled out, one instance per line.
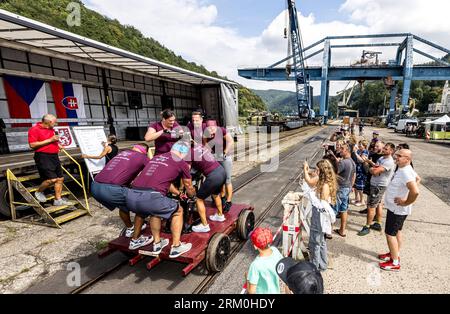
column 214, row 246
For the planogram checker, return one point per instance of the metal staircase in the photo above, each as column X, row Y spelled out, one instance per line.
column 45, row 213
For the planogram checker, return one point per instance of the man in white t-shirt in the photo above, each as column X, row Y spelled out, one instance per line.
column 401, row 193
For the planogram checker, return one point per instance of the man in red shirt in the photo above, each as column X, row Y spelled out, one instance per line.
column 43, row 140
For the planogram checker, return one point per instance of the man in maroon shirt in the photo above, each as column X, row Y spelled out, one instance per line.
column 203, row 161
column 110, row 185
column 43, row 140
column 221, row 144
column 165, row 133
column 197, row 126
column 148, row 198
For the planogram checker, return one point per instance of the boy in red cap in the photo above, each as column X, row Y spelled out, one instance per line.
column 262, row 276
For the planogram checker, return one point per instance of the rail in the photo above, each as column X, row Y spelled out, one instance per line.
column 82, row 185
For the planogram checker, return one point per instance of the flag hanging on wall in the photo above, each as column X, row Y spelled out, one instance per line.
column 69, row 101
column 26, row 98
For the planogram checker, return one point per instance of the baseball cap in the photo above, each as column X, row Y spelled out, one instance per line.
column 301, row 277
column 261, row 237
column 376, row 132
column 181, row 147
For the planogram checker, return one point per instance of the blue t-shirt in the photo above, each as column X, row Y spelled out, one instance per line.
column 263, row 274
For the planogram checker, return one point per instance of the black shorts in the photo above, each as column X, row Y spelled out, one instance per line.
column 48, row 165
column 213, row 183
column 394, row 223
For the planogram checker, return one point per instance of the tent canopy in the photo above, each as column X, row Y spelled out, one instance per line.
column 442, row 120
column 41, row 37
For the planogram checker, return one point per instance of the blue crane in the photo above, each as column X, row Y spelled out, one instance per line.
column 301, row 78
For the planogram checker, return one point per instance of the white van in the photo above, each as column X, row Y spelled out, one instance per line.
column 401, row 124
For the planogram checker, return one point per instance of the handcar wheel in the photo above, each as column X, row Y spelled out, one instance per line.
column 245, row 224
column 218, row 252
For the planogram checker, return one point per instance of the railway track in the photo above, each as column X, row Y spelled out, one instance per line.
column 209, row 279
column 235, row 249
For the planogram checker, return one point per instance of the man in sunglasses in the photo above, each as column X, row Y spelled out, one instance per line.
column 401, row 193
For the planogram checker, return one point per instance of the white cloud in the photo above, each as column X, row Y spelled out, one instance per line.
column 188, row 28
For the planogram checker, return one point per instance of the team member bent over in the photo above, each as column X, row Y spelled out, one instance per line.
column 110, row 185
column 44, row 142
column 148, row 198
column 202, row 160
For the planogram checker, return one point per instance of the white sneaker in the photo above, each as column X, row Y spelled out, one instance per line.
column 157, row 247
column 61, row 202
column 176, row 251
column 129, row 232
column 40, row 197
column 140, row 242
column 218, row 218
column 200, row 228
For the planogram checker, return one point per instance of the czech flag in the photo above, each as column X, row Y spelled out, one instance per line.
column 26, row 98
column 69, row 101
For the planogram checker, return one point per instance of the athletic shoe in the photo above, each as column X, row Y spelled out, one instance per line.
column 376, row 226
column 385, row 257
column 176, row 251
column 61, row 202
column 218, row 218
column 201, row 228
column 157, row 247
column 364, row 231
column 227, row 207
column 40, row 197
column 129, row 232
column 140, row 242
column 389, row 265
column 364, row 211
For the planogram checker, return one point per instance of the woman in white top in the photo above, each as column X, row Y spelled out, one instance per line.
column 325, row 183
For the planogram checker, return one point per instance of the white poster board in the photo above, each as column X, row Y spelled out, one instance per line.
column 66, row 139
column 90, row 140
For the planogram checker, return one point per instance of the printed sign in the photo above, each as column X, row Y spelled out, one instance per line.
column 90, row 139
column 66, row 139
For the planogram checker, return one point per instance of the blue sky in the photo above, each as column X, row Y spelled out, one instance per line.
column 251, row 17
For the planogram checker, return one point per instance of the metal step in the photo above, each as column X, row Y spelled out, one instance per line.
column 76, row 213
column 29, row 178
column 33, row 189
column 53, row 209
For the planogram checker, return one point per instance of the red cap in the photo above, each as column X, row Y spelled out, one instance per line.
column 261, row 237
column 211, row 123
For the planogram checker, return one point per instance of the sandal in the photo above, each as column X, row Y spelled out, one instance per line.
column 339, row 232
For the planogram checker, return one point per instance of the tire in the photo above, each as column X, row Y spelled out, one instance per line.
column 245, row 223
column 4, row 199
column 217, row 252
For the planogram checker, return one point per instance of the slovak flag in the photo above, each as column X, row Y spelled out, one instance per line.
column 26, row 98
column 69, row 101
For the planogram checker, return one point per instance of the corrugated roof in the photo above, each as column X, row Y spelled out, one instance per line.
column 23, row 30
